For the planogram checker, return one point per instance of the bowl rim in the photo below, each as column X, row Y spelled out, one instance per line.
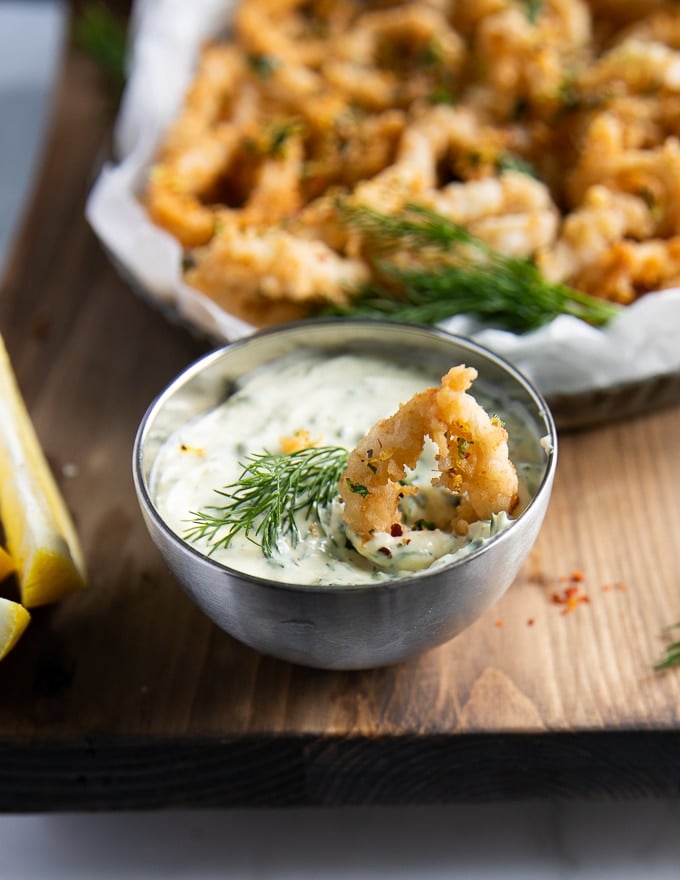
column 394, row 583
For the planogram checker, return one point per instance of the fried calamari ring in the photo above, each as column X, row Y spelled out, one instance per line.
column 472, row 460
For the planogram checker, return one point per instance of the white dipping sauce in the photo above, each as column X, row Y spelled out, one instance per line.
column 336, row 400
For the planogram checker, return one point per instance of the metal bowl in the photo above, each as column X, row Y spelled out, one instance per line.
column 346, row 626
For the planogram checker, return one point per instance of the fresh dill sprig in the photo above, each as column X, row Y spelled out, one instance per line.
column 413, row 227
column 102, row 35
column 271, row 489
column 427, row 269
column 671, row 656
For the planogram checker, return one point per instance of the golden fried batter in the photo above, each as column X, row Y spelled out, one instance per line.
column 550, row 129
column 472, row 459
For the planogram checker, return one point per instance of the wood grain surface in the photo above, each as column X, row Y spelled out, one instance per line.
column 127, row 696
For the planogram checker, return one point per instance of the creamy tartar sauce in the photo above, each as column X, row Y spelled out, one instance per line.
column 336, row 400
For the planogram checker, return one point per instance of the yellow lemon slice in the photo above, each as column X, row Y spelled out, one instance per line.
column 41, row 538
column 13, row 621
column 7, row 565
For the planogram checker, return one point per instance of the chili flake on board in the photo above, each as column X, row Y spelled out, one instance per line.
column 572, row 595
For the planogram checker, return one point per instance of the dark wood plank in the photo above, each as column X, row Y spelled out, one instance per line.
column 126, row 695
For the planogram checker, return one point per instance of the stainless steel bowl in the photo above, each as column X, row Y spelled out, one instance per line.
column 349, row 626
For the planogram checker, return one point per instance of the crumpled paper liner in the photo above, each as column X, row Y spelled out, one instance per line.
column 564, row 357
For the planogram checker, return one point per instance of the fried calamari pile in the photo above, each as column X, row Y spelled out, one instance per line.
column 548, row 128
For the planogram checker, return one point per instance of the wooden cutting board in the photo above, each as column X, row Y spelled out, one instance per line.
column 127, row 696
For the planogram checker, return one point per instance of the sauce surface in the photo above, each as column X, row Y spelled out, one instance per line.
column 335, row 400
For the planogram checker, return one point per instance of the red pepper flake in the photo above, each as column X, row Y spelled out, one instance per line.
column 571, row 597
column 396, row 530
column 500, row 624
column 385, row 551
column 618, row 585
column 575, row 577
column 531, row 621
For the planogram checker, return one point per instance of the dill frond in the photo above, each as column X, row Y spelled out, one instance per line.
column 427, row 269
column 671, row 655
column 102, row 35
column 271, row 489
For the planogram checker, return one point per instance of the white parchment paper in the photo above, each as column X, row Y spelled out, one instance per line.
column 565, row 356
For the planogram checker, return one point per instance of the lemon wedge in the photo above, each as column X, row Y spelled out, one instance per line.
column 13, row 621
column 41, row 537
column 7, row 565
